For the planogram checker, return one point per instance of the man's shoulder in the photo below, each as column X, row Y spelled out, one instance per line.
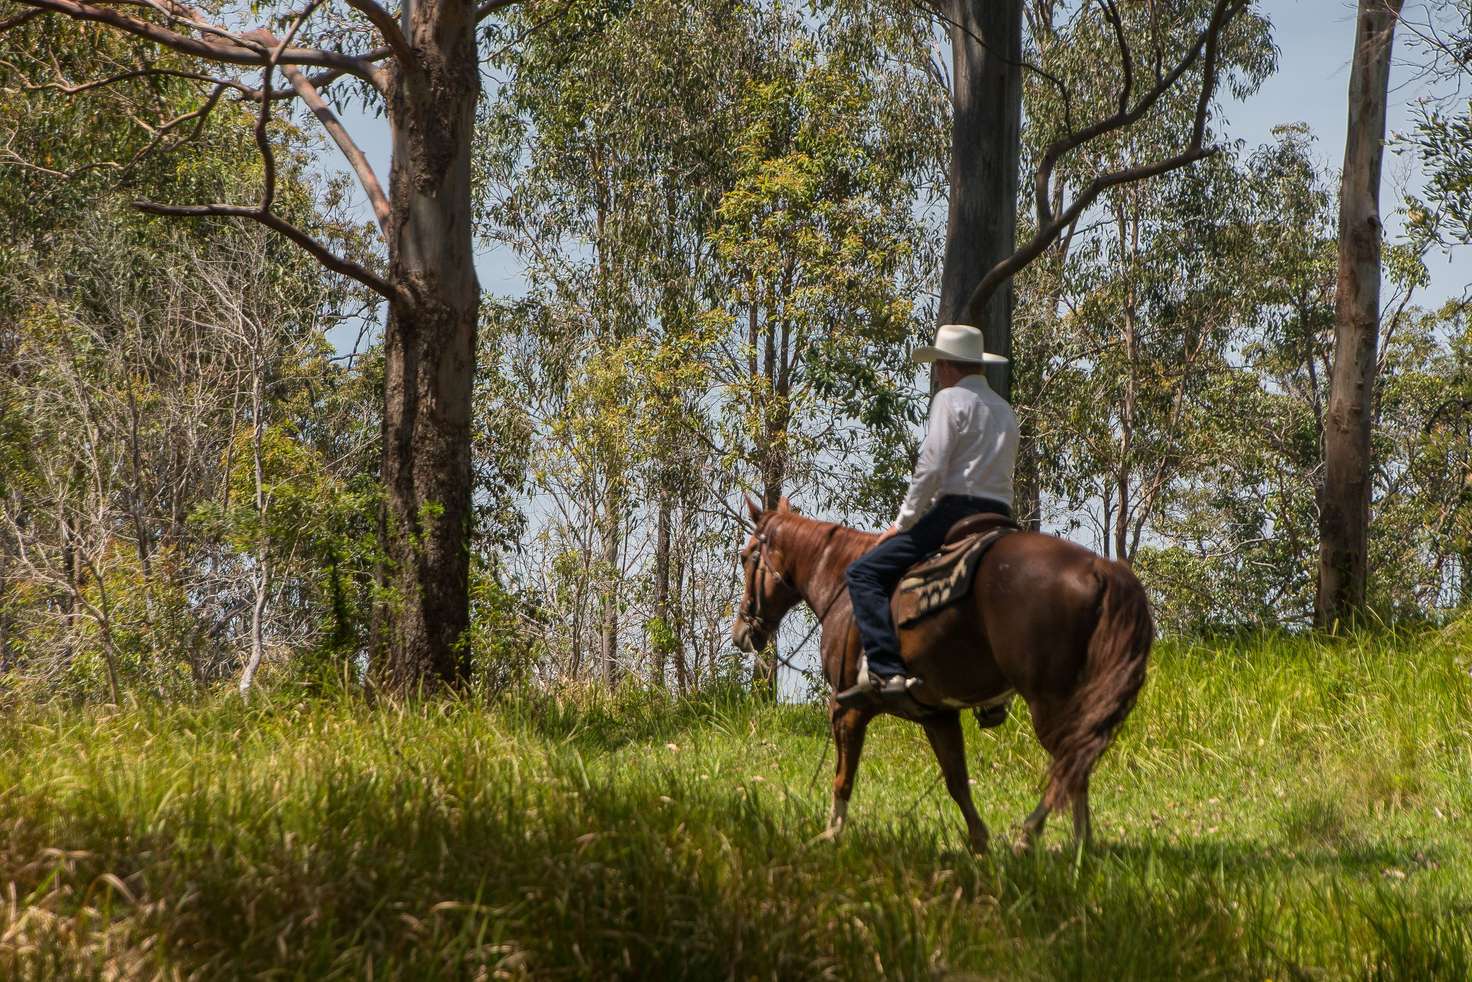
column 983, row 399
column 978, row 392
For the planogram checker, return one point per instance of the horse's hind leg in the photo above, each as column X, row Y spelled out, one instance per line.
column 1082, row 827
column 1032, row 827
column 1045, row 725
column 849, row 727
column 949, row 745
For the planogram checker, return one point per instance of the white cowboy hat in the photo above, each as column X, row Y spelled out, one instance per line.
column 956, row 342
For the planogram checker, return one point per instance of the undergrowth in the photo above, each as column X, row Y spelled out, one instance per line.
column 1275, row 808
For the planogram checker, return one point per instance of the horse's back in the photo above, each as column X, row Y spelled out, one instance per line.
column 1034, row 606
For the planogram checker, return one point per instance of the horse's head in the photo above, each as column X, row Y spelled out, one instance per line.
column 769, row 592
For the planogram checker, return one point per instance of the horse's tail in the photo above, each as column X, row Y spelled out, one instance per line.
column 1111, row 678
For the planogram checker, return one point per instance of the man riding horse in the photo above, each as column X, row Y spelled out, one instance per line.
column 965, row 467
column 998, row 613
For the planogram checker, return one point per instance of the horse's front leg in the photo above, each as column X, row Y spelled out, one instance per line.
column 849, row 727
column 949, row 745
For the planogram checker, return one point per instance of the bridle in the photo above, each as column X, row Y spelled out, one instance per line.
column 751, row 611
column 761, row 567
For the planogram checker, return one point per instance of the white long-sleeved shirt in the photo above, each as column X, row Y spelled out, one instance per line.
column 970, row 448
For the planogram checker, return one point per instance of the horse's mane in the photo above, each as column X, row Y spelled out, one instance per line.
column 810, row 536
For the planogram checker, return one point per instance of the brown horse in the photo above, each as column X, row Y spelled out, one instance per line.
column 1064, row 628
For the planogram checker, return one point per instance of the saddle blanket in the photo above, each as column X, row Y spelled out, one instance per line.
column 944, row 578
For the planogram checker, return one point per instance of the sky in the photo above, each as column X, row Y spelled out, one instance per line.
column 1315, row 40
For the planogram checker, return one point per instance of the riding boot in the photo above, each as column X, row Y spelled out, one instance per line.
column 870, row 689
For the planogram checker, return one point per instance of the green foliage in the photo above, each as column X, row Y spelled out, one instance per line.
column 128, row 520
column 504, row 647
column 728, row 216
column 1442, row 141
column 716, row 209
column 66, row 152
column 575, row 833
column 821, row 247
column 1176, row 397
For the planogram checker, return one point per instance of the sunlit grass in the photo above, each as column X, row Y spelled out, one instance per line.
column 1275, row 808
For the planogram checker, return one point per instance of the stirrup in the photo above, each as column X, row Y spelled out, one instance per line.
column 988, row 717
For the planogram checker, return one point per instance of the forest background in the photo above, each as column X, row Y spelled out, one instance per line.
column 710, row 233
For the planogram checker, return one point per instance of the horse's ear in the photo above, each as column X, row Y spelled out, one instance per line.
column 785, row 505
column 753, row 507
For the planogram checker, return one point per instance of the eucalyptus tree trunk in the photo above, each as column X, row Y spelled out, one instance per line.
column 612, row 534
column 1344, row 503
column 661, row 647
column 1128, row 406
column 677, row 624
column 72, row 570
column 429, row 351
column 981, row 225
column 777, row 417
column 4, row 614
column 260, row 579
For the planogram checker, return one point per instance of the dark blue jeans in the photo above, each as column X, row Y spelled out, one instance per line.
column 874, row 575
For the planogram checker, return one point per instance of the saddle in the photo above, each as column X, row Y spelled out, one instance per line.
column 940, row 580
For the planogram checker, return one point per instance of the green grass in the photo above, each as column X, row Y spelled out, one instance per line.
column 1274, row 809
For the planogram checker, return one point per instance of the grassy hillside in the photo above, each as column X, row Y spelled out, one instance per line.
column 1274, row 809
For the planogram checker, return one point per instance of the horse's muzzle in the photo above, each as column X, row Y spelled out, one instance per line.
column 743, row 636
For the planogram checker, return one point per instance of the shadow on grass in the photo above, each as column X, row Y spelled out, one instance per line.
column 1250, row 858
column 654, row 875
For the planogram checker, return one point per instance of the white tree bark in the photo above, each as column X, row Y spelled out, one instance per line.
column 261, row 575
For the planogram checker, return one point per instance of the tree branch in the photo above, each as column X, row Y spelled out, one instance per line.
column 276, row 223
column 199, row 116
column 217, row 44
column 65, row 89
column 1126, row 59
column 262, row 212
column 18, row 19
column 263, row 118
column 1224, row 11
column 256, row 48
column 355, row 156
column 390, row 30
column 158, row 135
column 321, row 80
column 1050, row 226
